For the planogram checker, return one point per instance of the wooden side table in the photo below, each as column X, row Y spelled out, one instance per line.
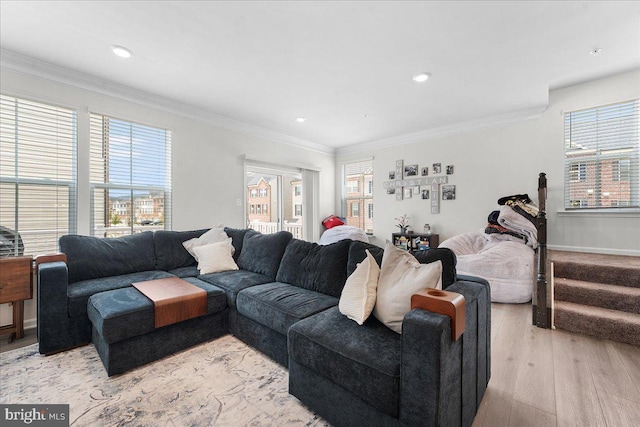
column 411, row 242
column 16, row 285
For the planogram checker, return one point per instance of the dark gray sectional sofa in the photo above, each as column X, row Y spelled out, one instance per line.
column 283, row 301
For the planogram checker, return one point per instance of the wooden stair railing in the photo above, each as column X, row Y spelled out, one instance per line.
column 541, row 309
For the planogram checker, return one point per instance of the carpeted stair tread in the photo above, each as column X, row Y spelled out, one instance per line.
column 603, row 295
column 597, row 321
column 611, row 269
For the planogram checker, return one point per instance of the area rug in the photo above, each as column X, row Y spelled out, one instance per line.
column 220, row 383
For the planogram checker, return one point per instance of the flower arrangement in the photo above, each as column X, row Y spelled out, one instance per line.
column 403, row 223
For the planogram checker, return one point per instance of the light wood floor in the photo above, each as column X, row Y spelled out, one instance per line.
column 543, row 377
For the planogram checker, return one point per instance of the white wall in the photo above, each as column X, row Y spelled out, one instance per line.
column 207, row 160
column 503, row 160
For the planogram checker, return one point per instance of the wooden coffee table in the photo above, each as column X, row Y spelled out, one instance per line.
column 174, row 299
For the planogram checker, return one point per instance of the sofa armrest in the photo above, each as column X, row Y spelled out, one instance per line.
column 53, row 280
column 443, row 381
column 430, row 380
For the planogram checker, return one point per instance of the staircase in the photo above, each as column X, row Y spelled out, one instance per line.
column 597, row 295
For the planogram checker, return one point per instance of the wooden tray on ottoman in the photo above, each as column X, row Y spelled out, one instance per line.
column 174, row 299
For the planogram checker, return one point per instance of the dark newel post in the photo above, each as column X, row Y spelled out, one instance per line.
column 541, row 315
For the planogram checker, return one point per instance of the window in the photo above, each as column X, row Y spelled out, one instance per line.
column 298, row 190
column 357, row 178
column 602, row 154
column 280, row 211
column 130, row 177
column 38, row 178
column 254, row 193
column 355, row 209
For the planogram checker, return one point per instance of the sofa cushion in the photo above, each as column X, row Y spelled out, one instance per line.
column 261, row 253
column 237, row 238
column 125, row 313
column 183, row 272
column 448, row 259
column 79, row 292
column 92, row 257
column 170, row 253
column 279, row 305
column 213, row 235
column 401, row 275
column 357, row 254
column 233, row 282
column 359, row 293
column 215, row 257
column 364, row 360
column 315, row 267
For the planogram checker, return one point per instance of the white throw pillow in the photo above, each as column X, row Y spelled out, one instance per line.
column 214, row 235
column 401, row 276
column 359, row 292
column 215, row 257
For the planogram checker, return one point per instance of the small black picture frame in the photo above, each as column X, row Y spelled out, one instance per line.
column 424, row 171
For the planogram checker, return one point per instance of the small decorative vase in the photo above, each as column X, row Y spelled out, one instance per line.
column 403, row 230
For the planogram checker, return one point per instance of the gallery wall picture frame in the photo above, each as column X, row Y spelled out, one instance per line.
column 407, row 192
column 391, row 191
column 437, row 167
column 424, row 171
column 392, row 175
column 410, row 170
column 425, row 194
column 449, row 169
column 399, row 169
column 448, row 192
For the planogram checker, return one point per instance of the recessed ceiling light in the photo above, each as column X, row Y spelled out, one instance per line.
column 121, row 51
column 422, row 77
column 300, row 119
column 595, row 51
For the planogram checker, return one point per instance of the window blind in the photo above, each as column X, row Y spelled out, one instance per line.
column 130, row 167
column 602, row 157
column 38, row 177
column 357, row 197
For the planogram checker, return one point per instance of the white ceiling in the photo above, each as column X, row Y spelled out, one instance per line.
column 266, row 63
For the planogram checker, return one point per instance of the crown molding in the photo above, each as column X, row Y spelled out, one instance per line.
column 22, row 64
column 448, row 130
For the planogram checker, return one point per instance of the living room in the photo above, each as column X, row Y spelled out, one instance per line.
column 498, row 138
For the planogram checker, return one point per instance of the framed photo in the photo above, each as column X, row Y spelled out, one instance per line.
column 407, row 192
column 391, row 191
column 424, row 171
column 425, row 194
column 437, row 168
column 399, row 169
column 450, row 170
column 415, row 190
column 448, row 192
column 410, row 170
column 392, row 174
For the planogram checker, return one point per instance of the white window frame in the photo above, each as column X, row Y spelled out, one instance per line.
column 60, row 130
column 595, row 141
column 131, row 188
column 365, row 196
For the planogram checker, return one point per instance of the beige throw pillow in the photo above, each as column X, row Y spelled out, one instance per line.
column 359, row 292
column 214, row 235
column 215, row 257
column 401, row 275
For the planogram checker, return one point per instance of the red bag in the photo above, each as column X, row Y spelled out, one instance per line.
column 332, row 221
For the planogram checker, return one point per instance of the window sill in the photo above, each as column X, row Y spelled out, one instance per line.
column 602, row 213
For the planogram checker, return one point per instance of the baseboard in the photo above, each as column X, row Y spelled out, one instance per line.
column 607, row 251
column 31, row 323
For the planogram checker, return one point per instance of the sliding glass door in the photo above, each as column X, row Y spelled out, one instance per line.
column 274, row 200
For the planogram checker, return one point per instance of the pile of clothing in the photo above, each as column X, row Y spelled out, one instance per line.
column 515, row 221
